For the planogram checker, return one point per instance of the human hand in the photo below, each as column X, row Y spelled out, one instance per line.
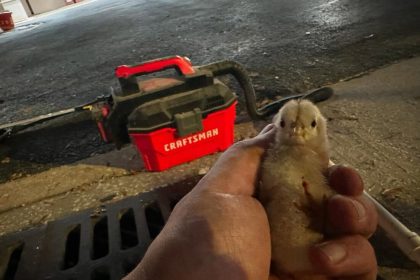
column 352, row 219
column 220, row 231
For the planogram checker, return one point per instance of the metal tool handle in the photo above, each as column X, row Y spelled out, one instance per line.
column 11, row 128
column 406, row 240
column 181, row 64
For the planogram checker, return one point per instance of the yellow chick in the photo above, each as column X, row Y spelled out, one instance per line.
column 293, row 187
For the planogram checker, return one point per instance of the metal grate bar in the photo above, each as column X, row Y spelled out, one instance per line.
column 107, row 246
column 31, row 254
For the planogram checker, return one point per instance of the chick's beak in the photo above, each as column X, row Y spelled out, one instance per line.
column 297, row 132
column 296, row 129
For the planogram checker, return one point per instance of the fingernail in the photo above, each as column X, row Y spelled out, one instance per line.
column 360, row 209
column 333, row 251
column 266, row 129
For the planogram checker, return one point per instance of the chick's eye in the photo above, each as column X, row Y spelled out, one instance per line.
column 313, row 124
column 282, row 123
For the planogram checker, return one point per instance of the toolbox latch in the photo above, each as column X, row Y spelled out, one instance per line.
column 189, row 122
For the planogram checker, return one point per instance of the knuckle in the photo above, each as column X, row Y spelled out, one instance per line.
column 241, row 145
column 352, row 215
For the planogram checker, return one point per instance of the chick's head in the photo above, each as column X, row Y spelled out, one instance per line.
column 299, row 122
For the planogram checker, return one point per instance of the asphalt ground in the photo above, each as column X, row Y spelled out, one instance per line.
column 67, row 58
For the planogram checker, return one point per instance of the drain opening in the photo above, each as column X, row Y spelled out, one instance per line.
column 71, row 255
column 173, row 203
column 128, row 229
column 100, row 273
column 154, row 219
column 13, row 264
column 128, row 266
column 100, row 239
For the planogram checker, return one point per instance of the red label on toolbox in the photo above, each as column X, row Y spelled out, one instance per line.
column 162, row 149
column 183, row 142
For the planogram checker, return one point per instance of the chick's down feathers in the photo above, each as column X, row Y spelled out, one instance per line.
column 293, row 186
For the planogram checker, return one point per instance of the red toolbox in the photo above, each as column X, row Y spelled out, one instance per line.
column 184, row 126
column 166, row 147
column 171, row 119
column 177, row 117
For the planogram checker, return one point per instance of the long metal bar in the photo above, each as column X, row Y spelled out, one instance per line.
column 406, row 240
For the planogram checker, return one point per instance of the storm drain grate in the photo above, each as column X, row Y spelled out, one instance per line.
column 89, row 245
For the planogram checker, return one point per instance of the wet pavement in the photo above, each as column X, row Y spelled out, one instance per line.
column 67, row 58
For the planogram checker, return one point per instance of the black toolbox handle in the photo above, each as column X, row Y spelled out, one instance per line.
column 239, row 72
